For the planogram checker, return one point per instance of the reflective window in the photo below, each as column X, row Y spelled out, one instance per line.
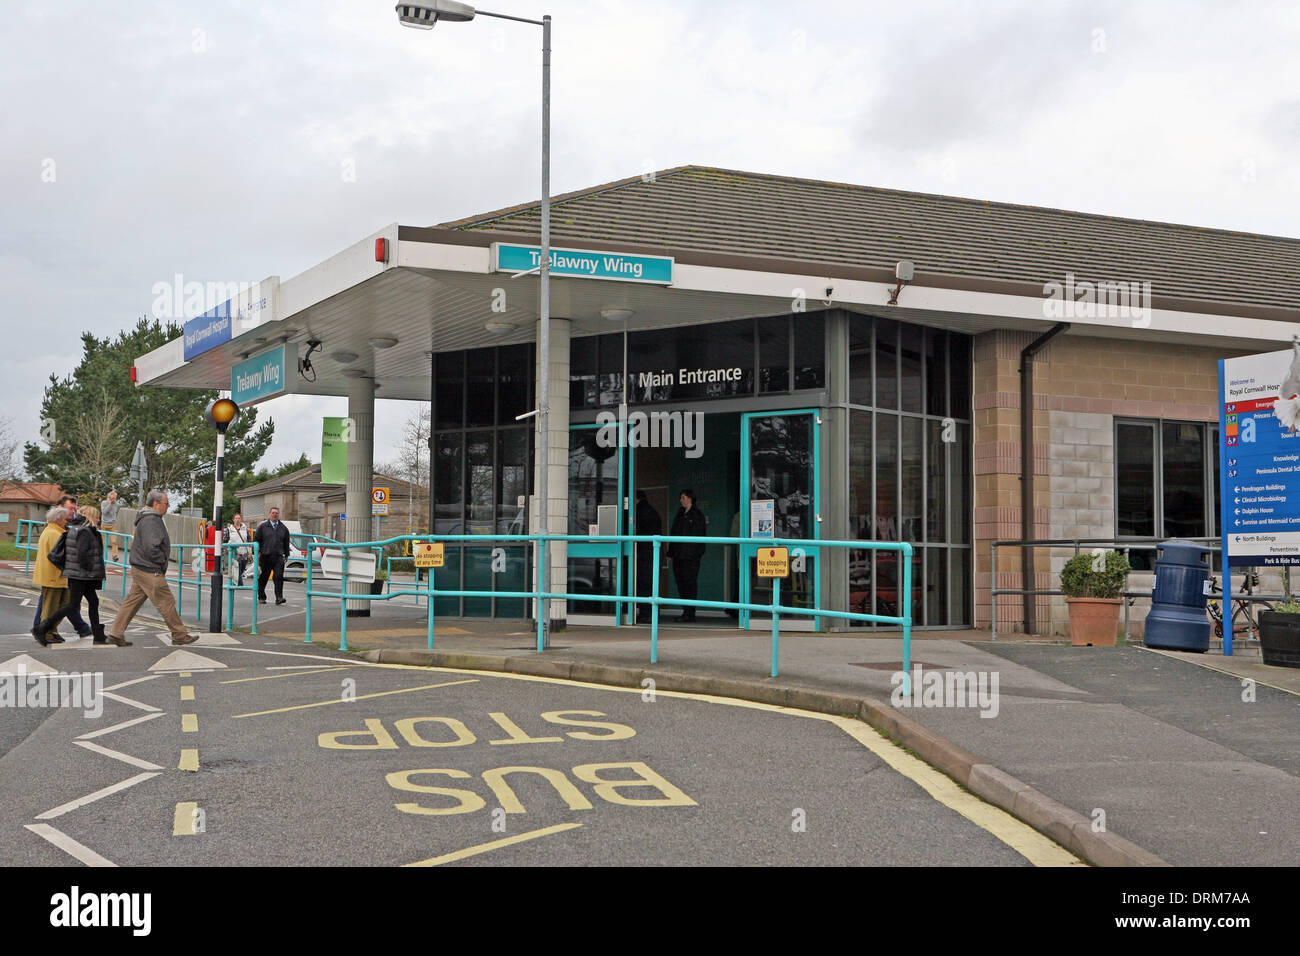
column 774, row 354
column 514, row 382
column 481, row 374
column 909, row 468
column 449, row 390
column 810, row 350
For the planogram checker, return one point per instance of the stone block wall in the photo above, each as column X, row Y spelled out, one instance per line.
column 1081, row 385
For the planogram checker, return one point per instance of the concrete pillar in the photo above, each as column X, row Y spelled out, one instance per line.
column 361, row 473
column 558, row 477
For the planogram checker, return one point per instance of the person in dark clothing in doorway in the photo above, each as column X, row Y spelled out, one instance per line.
column 647, row 522
column 685, row 557
column 272, row 538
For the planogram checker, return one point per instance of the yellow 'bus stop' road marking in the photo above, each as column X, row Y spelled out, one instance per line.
column 494, row 845
column 189, row 760
column 1020, row 836
column 348, row 700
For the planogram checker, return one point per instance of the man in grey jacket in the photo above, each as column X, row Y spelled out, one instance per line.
column 149, row 554
column 108, row 511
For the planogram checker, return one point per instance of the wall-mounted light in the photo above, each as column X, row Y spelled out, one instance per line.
column 499, row 328
column 354, row 373
column 343, row 358
column 383, row 342
column 616, row 315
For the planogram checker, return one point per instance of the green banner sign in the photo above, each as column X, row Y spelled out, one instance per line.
column 334, row 451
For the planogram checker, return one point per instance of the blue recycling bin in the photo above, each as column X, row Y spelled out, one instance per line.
column 1177, row 619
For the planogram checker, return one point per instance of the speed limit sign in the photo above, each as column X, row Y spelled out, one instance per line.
column 379, row 501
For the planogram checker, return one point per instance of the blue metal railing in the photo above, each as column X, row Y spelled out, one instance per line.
column 654, row 601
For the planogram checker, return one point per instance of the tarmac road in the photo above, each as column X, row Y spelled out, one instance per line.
column 298, row 755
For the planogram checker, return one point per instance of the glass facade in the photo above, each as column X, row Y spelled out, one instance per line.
column 482, row 470
column 910, row 467
column 748, row 357
column 909, row 452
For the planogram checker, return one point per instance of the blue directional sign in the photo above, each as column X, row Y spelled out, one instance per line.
column 1259, row 458
column 208, row 330
column 584, row 263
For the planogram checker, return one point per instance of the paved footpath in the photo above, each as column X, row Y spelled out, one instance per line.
column 1125, row 756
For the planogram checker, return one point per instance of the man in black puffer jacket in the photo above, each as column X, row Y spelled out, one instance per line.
column 83, row 566
column 685, row 557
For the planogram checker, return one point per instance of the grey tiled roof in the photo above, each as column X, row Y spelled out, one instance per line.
column 738, row 213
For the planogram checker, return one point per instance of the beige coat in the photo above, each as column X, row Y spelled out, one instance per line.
column 45, row 574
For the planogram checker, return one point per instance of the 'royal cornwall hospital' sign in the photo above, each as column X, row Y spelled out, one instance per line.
column 584, row 263
column 250, row 306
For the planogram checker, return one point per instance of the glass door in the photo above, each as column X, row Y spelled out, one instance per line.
column 595, row 509
column 780, row 496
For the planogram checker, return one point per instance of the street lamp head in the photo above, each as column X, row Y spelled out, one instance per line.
column 422, row 16
column 220, row 413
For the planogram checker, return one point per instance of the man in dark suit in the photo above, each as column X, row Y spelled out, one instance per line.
column 647, row 522
column 272, row 539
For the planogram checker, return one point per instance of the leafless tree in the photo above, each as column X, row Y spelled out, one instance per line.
column 102, row 450
column 412, row 464
column 10, row 467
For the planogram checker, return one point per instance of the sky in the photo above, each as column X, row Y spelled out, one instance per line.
column 225, row 142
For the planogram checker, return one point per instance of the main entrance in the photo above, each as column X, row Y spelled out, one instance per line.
column 735, row 459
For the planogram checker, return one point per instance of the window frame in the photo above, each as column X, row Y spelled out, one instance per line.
column 1209, row 449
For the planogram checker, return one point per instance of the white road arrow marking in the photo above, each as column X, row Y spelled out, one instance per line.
column 23, row 665
column 92, row 797
column 186, row 661
column 117, row 755
column 68, row 845
column 122, row 726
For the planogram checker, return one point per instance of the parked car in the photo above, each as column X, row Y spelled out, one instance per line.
column 301, row 548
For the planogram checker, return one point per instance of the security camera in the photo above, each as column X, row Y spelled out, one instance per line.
column 903, row 272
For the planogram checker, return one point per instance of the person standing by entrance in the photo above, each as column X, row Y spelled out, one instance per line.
column 111, row 506
column 685, row 556
column 150, row 552
column 647, row 522
column 272, row 538
column 238, row 531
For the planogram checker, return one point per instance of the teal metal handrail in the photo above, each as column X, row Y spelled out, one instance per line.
column 655, row 600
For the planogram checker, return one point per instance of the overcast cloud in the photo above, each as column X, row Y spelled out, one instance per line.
column 214, row 139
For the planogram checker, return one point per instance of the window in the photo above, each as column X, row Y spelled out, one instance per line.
column 1166, row 481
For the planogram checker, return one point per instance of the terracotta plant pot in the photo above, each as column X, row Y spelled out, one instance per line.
column 1093, row 621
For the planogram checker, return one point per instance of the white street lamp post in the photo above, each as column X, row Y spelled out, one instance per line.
column 423, row 16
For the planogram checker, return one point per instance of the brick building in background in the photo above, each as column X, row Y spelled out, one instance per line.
column 24, row 499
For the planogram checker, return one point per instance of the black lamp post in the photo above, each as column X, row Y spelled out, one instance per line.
column 219, row 413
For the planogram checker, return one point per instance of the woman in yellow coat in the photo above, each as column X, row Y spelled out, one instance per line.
column 47, row 577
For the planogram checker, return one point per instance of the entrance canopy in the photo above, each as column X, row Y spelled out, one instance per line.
column 740, row 245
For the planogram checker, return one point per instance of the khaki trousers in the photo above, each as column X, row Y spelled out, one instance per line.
column 153, row 588
column 112, row 539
